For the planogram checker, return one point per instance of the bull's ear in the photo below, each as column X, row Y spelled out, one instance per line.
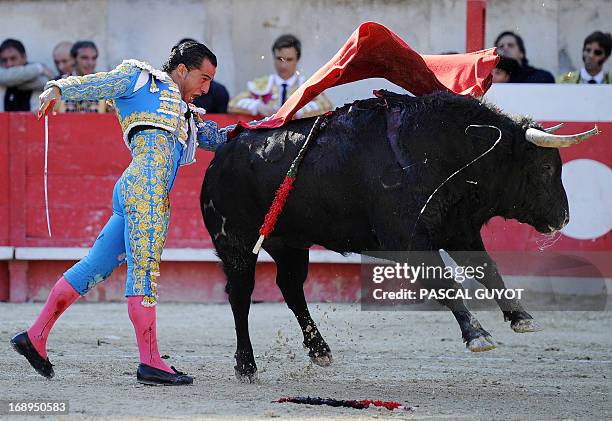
column 549, row 140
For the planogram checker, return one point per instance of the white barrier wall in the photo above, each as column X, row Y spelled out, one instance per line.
column 561, row 102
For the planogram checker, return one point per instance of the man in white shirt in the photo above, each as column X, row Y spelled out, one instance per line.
column 265, row 95
column 595, row 52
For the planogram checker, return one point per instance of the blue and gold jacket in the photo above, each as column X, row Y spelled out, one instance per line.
column 144, row 96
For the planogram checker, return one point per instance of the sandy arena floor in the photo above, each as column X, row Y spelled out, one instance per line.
column 564, row 372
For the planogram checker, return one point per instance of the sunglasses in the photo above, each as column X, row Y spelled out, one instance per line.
column 595, row 51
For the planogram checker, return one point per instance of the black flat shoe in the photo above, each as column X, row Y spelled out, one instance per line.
column 22, row 344
column 155, row 377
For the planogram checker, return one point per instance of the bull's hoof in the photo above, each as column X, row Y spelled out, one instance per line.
column 246, row 376
column 319, row 353
column 481, row 344
column 322, row 360
column 525, row 325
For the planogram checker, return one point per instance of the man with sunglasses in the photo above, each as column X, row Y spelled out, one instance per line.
column 595, row 52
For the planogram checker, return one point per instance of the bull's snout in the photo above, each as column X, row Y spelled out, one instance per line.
column 562, row 224
column 566, row 220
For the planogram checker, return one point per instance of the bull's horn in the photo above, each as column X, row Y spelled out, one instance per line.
column 549, row 140
column 553, row 129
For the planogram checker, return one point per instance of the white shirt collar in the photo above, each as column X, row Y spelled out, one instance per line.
column 585, row 76
column 290, row 82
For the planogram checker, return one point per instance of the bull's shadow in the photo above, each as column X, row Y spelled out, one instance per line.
column 379, row 177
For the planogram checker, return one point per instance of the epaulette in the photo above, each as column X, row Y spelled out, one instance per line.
column 260, row 86
column 569, row 77
column 158, row 74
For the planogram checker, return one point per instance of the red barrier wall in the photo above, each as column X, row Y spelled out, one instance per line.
column 204, row 282
column 86, row 157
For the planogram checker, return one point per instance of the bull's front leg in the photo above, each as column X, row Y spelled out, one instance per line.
column 476, row 338
column 512, row 309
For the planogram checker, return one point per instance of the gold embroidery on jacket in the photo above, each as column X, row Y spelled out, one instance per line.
column 144, row 190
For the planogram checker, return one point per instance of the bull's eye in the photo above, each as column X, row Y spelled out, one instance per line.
column 547, row 168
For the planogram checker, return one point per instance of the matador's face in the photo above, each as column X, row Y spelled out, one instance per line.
column 195, row 82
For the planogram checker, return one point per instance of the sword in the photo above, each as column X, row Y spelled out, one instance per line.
column 44, row 113
column 45, row 176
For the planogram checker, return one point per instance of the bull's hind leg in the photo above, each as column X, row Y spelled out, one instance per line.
column 239, row 266
column 291, row 272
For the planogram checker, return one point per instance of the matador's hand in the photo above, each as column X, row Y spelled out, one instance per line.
column 48, row 101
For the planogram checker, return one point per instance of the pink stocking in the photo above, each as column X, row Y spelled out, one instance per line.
column 62, row 295
column 143, row 319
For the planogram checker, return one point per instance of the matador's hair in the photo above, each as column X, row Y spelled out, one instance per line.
column 191, row 54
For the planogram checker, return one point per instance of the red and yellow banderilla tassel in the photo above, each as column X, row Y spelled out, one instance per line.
column 280, row 198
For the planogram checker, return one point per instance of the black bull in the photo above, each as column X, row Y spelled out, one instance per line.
column 362, row 186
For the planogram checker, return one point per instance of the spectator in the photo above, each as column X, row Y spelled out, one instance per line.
column 20, row 82
column 595, row 52
column 511, row 45
column 85, row 56
column 64, row 62
column 265, row 95
column 217, row 97
column 504, row 70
